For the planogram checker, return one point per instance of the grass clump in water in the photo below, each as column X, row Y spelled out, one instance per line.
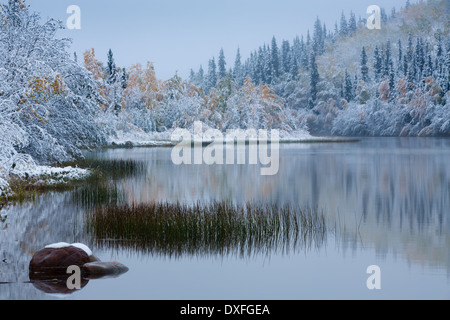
column 218, row 228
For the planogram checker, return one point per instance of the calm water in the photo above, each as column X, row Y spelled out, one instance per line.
column 386, row 201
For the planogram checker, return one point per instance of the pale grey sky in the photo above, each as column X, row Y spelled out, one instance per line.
column 177, row 35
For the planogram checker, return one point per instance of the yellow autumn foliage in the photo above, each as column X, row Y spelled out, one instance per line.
column 144, row 80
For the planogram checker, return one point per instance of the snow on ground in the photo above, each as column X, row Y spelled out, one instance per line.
column 136, row 138
column 25, row 168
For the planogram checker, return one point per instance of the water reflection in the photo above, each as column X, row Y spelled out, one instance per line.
column 390, row 194
column 387, row 195
column 216, row 229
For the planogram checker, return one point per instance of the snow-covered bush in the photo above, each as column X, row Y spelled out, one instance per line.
column 51, row 99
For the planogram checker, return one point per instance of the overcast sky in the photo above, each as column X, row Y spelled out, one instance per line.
column 177, row 35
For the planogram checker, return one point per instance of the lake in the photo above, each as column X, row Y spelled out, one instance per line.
column 386, row 202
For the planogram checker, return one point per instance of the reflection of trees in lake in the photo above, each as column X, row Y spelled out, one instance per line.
column 388, row 190
column 390, row 194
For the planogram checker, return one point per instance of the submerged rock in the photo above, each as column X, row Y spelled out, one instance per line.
column 103, row 269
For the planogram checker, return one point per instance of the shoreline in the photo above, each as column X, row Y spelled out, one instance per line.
column 26, row 182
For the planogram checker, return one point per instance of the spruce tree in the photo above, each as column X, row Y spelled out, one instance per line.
column 388, row 64
column 275, row 59
column 364, row 67
column 212, row 75
column 378, row 64
column 111, row 68
column 237, row 72
column 412, row 73
column 201, row 77
column 318, row 38
column 304, row 59
column 400, row 58
column 420, row 58
column 314, row 80
column 260, row 78
column 343, row 31
column 348, row 87
column 268, row 71
column 428, row 66
column 124, row 79
column 222, row 66
column 439, row 56
column 352, row 23
column 447, row 67
column 294, row 67
column 285, row 56
column 192, row 76
column 392, row 82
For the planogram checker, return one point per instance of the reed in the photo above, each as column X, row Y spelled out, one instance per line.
column 110, row 168
column 217, row 228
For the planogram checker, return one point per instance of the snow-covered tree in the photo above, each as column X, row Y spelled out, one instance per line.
column 364, row 67
column 44, row 93
column 222, row 66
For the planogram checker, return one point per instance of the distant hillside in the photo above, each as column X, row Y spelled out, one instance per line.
column 355, row 81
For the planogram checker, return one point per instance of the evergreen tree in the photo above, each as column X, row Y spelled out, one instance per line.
column 294, row 67
column 447, row 77
column 410, row 52
column 412, row 73
column 200, row 77
column 348, row 87
column 285, row 56
column 259, row 75
column 393, row 13
column 428, row 66
column 304, row 59
column 407, row 5
column 124, row 79
column 420, row 58
column 297, row 48
column 222, row 65
column 364, row 67
column 352, row 23
column 314, row 80
column 383, row 16
column 192, row 76
column 405, row 65
column 391, row 82
column 212, row 75
column 267, row 72
column 388, row 64
column 275, row 59
column 237, row 72
column 400, row 58
column 111, row 68
column 378, row 64
column 343, row 31
column 318, row 38
column 439, row 55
